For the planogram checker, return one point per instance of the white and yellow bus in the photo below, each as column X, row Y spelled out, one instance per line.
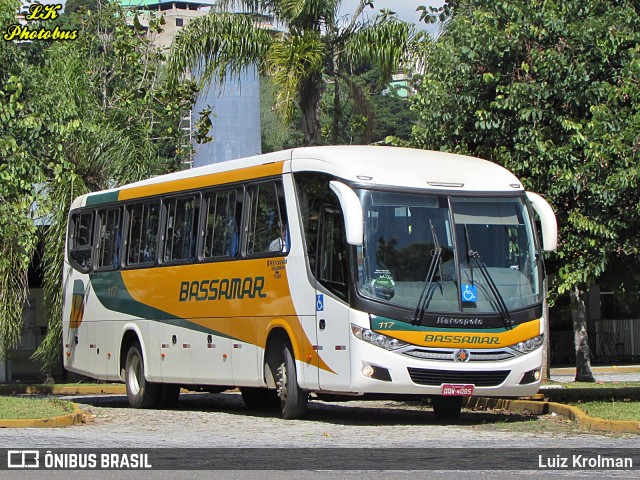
column 323, row 272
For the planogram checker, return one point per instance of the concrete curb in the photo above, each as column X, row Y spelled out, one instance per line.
column 53, row 422
column 61, row 390
column 539, row 407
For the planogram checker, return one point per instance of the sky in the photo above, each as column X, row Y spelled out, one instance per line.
column 405, row 9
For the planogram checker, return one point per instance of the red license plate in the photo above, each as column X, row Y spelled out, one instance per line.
column 457, row 390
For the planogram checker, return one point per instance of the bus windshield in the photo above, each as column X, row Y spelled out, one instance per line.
column 441, row 254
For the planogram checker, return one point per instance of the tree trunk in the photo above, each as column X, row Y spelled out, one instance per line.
column 310, row 106
column 581, row 339
column 337, row 112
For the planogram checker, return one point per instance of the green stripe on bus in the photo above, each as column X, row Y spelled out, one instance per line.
column 114, row 296
column 102, row 198
column 379, row 323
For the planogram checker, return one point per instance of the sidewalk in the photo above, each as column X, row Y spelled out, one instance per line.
column 608, row 373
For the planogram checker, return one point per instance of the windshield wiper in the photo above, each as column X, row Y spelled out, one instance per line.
column 474, row 258
column 423, row 301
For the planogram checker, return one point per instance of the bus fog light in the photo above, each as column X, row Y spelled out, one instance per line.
column 368, row 371
column 532, row 376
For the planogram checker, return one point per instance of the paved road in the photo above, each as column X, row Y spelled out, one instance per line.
column 221, row 421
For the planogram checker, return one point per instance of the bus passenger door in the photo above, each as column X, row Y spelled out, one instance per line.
column 332, row 310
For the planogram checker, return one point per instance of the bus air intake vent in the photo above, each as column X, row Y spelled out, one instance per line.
column 423, row 376
column 447, row 356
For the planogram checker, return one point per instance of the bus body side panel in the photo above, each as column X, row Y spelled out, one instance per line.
column 212, row 362
column 333, row 342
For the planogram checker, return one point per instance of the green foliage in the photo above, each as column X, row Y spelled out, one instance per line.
column 77, row 116
column 369, row 112
column 19, row 172
column 550, row 91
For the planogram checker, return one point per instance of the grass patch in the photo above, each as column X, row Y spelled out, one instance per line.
column 20, row 408
column 612, row 409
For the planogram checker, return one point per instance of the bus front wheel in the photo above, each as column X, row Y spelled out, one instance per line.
column 141, row 394
column 293, row 400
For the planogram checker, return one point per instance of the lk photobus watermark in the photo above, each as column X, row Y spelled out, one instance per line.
column 22, row 32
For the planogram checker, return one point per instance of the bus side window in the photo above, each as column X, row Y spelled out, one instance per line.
column 109, row 240
column 81, row 244
column 142, row 238
column 313, row 194
column 181, row 227
column 332, row 252
column 267, row 218
column 222, row 211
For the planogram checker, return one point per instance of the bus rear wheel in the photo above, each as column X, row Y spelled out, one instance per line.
column 141, row 394
column 446, row 408
column 293, row 400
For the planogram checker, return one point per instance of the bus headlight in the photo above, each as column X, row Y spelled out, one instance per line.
column 529, row 345
column 377, row 339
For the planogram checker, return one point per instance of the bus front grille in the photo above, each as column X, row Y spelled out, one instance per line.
column 423, row 376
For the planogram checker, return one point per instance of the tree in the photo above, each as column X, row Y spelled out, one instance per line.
column 550, row 91
column 98, row 115
column 373, row 110
column 316, row 43
column 19, row 172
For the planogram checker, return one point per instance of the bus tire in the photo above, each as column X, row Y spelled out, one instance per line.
column 260, row 398
column 141, row 394
column 293, row 400
column 169, row 393
column 446, row 408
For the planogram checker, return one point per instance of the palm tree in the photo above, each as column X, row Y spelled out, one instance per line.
column 316, row 45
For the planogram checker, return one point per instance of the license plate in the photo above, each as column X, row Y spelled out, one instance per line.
column 457, row 390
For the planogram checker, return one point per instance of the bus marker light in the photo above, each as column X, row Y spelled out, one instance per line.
column 211, row 345
column 224, row 356
column 162, row 356
column 109, row 355
column 309, row 358
column 68, row 354
column 341, row 347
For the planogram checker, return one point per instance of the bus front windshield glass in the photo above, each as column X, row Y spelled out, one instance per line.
column 445, row 254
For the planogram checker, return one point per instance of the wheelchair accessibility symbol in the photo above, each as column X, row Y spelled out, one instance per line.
column 319, row 302
column 469, row 293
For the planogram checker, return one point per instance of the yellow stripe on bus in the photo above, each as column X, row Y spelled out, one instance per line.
column 470, row 338
column 240, row 304
column 202, row 181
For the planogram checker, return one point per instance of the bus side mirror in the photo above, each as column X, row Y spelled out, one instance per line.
column 352, row 210
column 547, row 221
